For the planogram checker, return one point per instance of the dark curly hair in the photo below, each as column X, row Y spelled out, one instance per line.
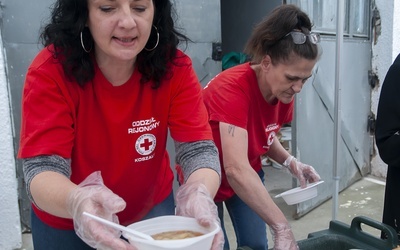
column 269, row 36
column 68, row 19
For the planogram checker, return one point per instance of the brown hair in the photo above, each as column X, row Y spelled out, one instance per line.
column 269, row 36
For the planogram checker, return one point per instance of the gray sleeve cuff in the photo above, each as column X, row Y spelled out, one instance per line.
column 36, row 165
column 192, row 156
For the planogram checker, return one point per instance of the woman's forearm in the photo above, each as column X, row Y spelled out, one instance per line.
column 50, row 191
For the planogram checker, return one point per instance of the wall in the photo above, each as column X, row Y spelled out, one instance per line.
column 26, row 17
column 396, row 29
column 384, row 52
column 200, row 21
column 10, row 229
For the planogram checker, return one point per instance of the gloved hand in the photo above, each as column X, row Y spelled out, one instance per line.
column 283, row 237
column 194, row 200
column 94, row 197
column 303, row 172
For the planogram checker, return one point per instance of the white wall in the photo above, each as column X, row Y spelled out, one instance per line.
column 383, row 55
column 10, row 229
column 396, row 29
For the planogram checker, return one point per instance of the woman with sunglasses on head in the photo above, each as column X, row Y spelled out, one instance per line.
column 98, row 102
column 247, row 105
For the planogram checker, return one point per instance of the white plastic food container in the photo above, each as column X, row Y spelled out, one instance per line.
column 297, row 195
column 172, row 223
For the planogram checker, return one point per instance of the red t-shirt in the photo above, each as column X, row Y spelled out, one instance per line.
column 234, row 97
column 121, row 131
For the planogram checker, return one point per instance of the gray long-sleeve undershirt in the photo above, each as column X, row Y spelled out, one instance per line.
column 195, row 155
column 191, row 156
column 36, row 165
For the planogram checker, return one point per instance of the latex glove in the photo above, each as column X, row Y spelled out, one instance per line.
column 194, row 200
column 94, row 197
column 283, row 237
column 303, row 172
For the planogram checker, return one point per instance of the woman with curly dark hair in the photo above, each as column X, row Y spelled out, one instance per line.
column 98, row 102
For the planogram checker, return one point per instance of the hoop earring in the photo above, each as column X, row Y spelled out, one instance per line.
column 158, row 40
column 83, row 45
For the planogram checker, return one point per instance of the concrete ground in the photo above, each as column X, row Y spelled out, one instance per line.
column 364, row 197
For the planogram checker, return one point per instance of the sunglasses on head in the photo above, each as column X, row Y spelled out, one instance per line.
column 300, row 38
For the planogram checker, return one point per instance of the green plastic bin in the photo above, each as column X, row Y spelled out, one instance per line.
column 340, row 236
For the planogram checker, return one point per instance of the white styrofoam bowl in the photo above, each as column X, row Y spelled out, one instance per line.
column 297, row 195
column 172, row 223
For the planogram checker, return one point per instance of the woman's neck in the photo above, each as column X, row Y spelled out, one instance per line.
column 117, row 73
column 263, row 85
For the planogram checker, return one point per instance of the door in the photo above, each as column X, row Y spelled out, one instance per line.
column 237, row 20
column 313, row 131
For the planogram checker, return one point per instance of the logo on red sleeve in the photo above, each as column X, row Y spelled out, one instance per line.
column 271, row 138
column 270, row 133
